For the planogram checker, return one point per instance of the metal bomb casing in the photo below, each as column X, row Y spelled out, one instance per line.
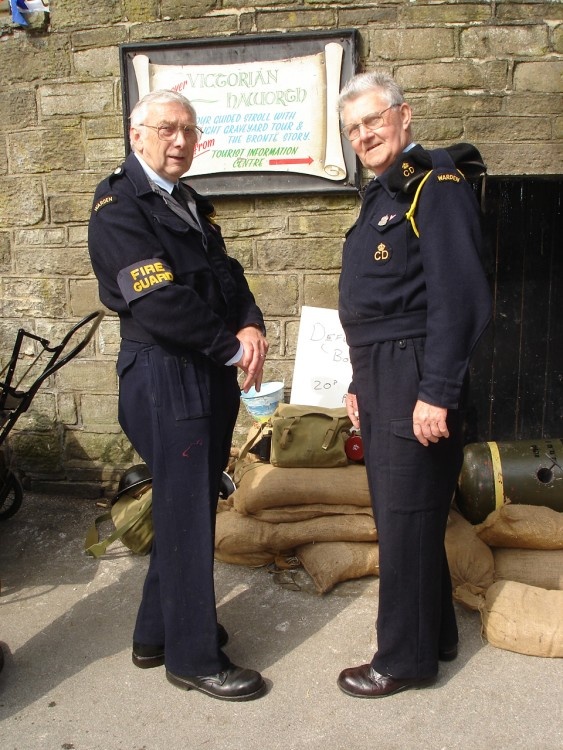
column 526, row 472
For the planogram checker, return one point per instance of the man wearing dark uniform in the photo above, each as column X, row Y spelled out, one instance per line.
column 188, row 320
column 414, row 301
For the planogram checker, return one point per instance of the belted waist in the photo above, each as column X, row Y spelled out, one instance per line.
column 385, row 328
column 130, row 329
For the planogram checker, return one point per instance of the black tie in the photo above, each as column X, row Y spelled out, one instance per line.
column 178, row 197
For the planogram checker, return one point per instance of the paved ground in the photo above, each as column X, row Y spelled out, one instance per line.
column 68, row 681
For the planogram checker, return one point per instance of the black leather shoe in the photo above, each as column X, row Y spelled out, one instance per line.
column 233, row 684
column 365, row 682
column 448, row 654
column 147, row 657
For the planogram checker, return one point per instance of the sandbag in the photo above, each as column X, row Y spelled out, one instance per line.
column 292, row 513
column 525, row 619
column 248, row 559
column 470, row 561
column 535, row 567
column 329, row 563
column 238, row 534
column 265, row 486
column 523, row 526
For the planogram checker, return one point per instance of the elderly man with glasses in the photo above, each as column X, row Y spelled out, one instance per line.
column 414, row 300
column 187, row 320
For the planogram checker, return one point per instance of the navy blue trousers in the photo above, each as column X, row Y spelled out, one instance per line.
column 411, row 489
column 179, row 413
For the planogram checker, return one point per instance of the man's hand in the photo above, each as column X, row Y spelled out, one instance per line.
column 253, row 358
column 352, row 409
column 429, row 423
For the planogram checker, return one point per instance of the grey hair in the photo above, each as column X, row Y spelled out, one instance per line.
column 161, row 96
column 373, row 81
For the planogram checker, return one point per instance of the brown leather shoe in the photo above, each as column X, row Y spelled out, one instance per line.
column 365, row 682
column 146, row 656
column 233, row 684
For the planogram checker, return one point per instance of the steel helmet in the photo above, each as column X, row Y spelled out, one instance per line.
column 134, row 477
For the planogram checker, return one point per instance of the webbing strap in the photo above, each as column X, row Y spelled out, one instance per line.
column 410, row 213
column 412, row 209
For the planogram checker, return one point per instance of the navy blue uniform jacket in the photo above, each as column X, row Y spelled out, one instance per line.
column 395, row 285
column 154, row 271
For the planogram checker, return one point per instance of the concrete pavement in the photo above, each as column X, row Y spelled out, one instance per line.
column 68, row 681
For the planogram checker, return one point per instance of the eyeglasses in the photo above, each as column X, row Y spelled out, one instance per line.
column 169, row 132
column 370, row 122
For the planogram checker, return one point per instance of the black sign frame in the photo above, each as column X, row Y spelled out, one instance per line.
column 243, row 49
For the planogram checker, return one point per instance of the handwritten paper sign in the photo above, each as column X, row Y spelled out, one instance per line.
column 322, row 371
column 276, row 115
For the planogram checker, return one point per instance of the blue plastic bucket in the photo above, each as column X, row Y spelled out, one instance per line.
column 262, row 404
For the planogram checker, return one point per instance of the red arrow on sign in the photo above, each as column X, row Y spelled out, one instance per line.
column 308, row 160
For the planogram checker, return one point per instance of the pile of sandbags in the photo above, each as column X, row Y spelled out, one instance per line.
column 522, row 610
column 323, row 518
column 509, row 568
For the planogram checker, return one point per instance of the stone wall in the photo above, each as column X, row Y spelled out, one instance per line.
column 485, row 72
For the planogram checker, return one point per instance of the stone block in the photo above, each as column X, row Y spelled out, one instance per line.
column 310, row 253
column 104, row 36
column 458, row 105
column 185, row 29
column 5, row 252
column 104, row 127
column 37, row 452
column 445, row 13
column 67, row 409
column 504, row 41
column 109, row 338
column 296, row 19
column 56, row 100
column 105, row 152
column 321, row 225
column 35, row 298
column 11, row 201
column 65, row 208
column 447, row 75
column 96, row 411
column 441, row 130
column 45, row 150
column 505, row 129
column 406, row 44
column 84, row 297
column 18, row 108
column 522, row 158
column 321, row 290
column 46, row 57
column 277, row 294
column 51, row 261
column 530, row 103
column 67, row 14
column 41, row 237
column 181, row 9
column 539, row 76
column 97, row 62
column 252, row 226
column 87, row 377
column 242, row 251
column 109, row 449
column 137, row 11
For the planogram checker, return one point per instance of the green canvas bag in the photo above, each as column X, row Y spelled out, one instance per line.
column 131, row 515
column 309, row 436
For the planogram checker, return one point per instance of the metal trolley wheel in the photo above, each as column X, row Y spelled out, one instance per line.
column 11, row 496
